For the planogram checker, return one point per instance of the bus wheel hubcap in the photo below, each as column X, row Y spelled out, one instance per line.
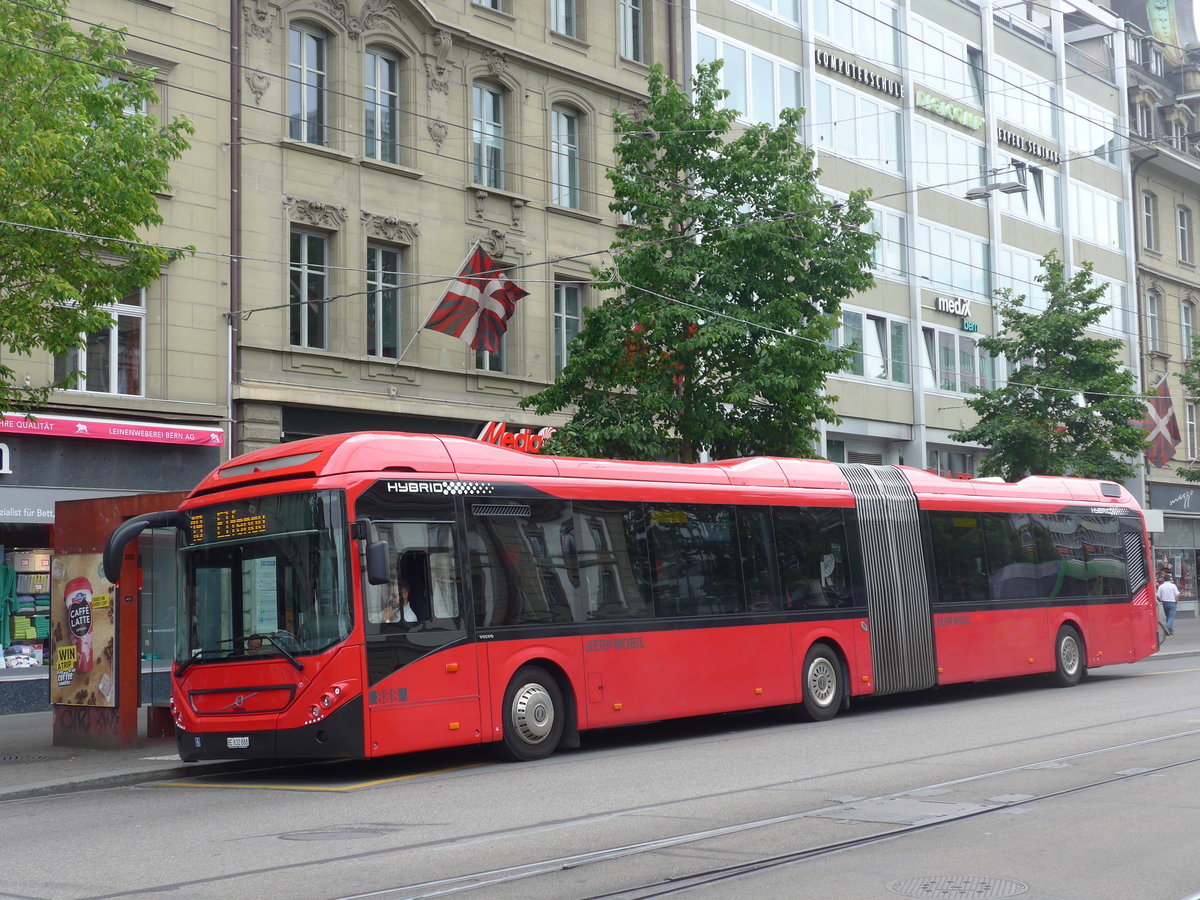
column 822, row 681
column 533, row 713
column 1070, row 656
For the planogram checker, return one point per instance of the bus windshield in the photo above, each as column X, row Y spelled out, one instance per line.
column 264, row 577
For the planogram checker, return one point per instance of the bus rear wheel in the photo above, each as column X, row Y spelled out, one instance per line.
column 1070, row 664
column 532, row 715
column 822, row 683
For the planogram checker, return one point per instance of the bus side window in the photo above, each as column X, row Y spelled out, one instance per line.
column 423, row 558
column 813, row 553
column 524, row 565
column 756, row 540
column 959, row 563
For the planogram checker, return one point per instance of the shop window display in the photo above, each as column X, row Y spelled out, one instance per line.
column 24, row 607
column 1181, row 565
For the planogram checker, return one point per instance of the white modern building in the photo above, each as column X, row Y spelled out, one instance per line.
column 988, row 135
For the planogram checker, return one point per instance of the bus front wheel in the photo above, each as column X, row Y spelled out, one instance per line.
column 1070, row 664
column 822, row 683
column 533, row 715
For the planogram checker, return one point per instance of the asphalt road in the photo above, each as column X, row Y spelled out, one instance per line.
column 1012, row 789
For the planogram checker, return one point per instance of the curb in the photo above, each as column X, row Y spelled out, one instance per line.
column 126, row 779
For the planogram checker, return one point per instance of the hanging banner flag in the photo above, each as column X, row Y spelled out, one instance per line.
column 1162, row 426
column 478, row 304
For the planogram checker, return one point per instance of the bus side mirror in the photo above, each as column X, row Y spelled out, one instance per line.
column 114, row 547
column 377, row 562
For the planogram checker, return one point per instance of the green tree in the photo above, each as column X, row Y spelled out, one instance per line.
column 726, row 286
column 1190, row 378
column 1068, row 407
column 79, row 168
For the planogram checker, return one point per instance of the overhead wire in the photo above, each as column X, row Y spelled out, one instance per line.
column 350, row 133
column 539, row 147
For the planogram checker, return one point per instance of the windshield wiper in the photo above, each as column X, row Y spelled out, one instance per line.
column 184, row 665
column 200, row 653
column 282, row 649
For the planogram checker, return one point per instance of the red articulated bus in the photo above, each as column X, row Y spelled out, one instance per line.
column 547, row 596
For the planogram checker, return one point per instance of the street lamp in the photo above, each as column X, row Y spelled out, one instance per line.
column 983, row 191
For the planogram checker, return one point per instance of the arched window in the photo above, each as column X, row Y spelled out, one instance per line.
column 1183, row 233
column 307, row 112
column 381, row 102
column 487, row 135
column 1153, row 326
column 564, row 156
column 1187, row 327
column 1149, row 221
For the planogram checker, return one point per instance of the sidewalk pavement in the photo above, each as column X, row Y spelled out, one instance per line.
column 31, row 766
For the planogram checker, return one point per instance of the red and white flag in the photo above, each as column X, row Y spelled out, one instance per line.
column 478, row 304
column 1162, row 426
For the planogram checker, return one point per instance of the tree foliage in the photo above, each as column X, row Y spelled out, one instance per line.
column 79, row 168
column 726, row 286
column 1190, row 378
column 1068, row 407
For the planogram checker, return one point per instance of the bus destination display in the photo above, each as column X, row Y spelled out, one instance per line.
column 225, row 524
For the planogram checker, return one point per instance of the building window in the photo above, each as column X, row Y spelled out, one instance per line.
column 382, row 103
column 1183, row 231
column 948, row 159
column 1143, row 120
column 889, row 254
column 1191, row 430
column 306, row 85
column 1154, row 59
column 760, row 86
column 951, row 463
column 952, row 261
column 488, row 135
column 564, row 149
column 856, row 126
column 946, row 62
column 568, row 316
column 1018, row 271
column 308, row 289
column 1092, row 130
column 1187, row 327
column 954, row 362
column 562, row 17
column 1178, row 135
column 1153, row 329
column 879, row 346
column 1040, row 203
column 633, row 25
column 383, row 301
column 492, row 362
column 489, row 4
column 870, row 27
column 1098, row 214
column 1024, row 97
column 110, row 362
column 1149, row 221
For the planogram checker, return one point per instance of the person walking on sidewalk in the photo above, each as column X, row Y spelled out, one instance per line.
column 1168, row 596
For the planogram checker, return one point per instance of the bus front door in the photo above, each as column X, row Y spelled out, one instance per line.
column 424, row 690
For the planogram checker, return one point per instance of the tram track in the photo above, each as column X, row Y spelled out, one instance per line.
column 508, row 876
column 490, row 882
